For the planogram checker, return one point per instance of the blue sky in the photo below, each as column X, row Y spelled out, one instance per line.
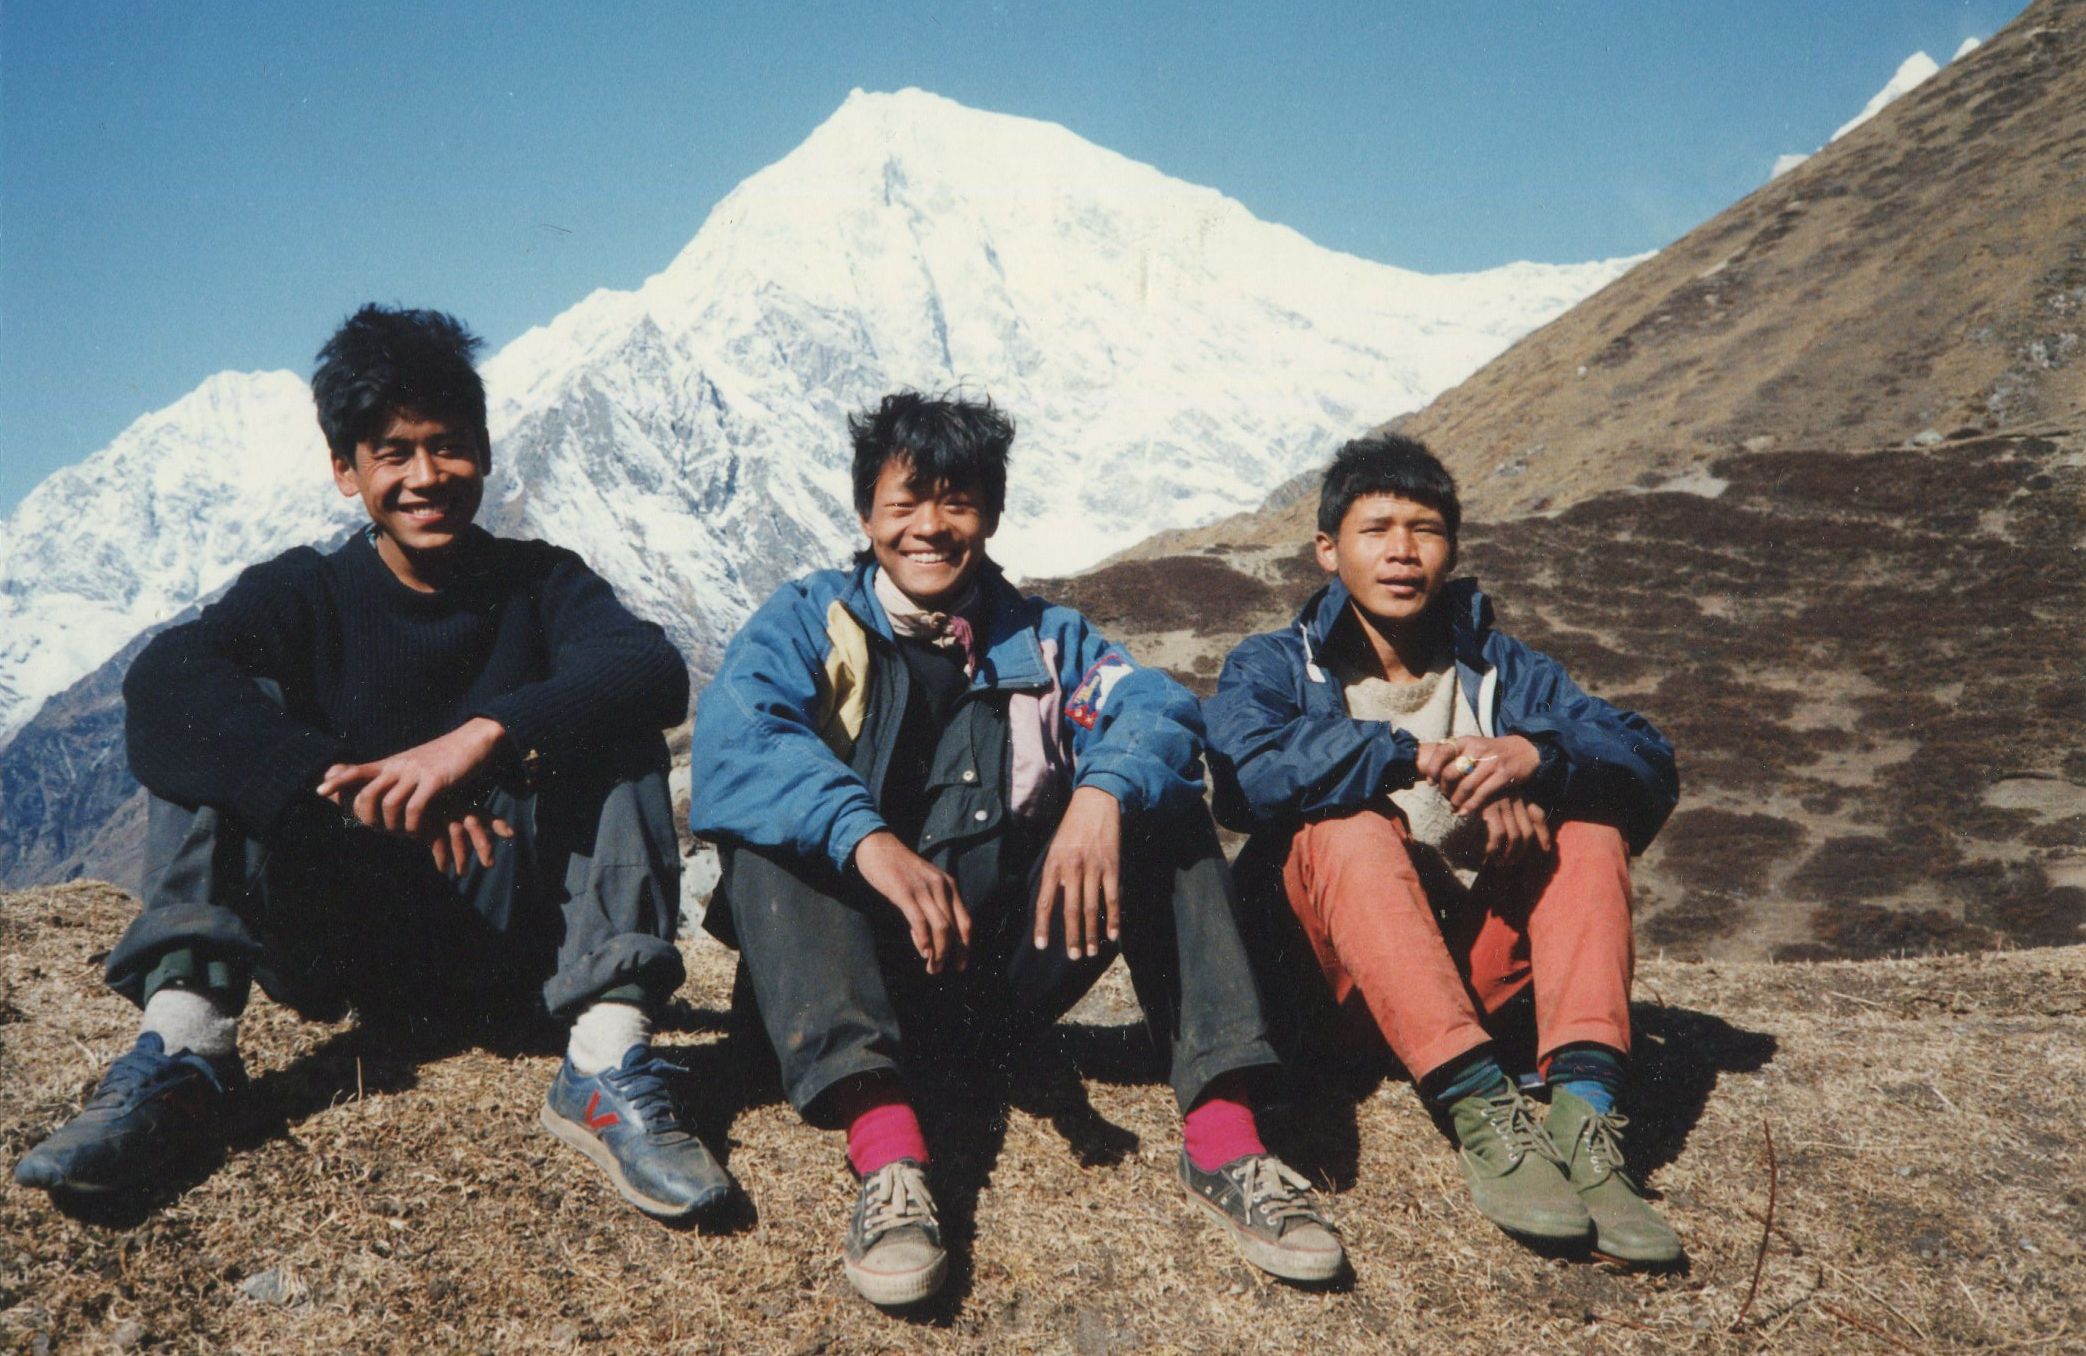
column 191, row 187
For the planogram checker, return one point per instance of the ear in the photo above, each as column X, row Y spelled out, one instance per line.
column 992, row 525
column 345, row 477
column 1328, row 553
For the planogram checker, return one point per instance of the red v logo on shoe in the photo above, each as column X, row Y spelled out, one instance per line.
column 601, row 1122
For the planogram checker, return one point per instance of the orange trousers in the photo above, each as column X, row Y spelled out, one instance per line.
column 1561, row 921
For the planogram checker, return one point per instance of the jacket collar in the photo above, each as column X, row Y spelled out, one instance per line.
column 1013, row 655
column 1469, row 613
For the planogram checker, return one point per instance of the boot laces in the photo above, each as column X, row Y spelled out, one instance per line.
column 1602, row 1135
column 1513, row 1120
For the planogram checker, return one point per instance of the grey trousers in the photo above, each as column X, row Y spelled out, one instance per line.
column 838, row 984
column 324, row 915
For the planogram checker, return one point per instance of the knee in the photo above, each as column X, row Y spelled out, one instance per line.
column 1367, row 840
column 1581, row 842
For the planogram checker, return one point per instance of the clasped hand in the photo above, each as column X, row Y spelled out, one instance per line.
column 408, row 794
column 1479, row 776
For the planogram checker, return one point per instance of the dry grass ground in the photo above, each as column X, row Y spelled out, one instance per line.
column 1925, row 1114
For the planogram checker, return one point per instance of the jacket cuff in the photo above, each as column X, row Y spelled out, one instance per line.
column 522, row 749
column 1115, row 784
column 1546, row 785
column 848, row 834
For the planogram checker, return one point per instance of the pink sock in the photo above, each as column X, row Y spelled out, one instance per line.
column 1220, row 1127
column 881, row 1127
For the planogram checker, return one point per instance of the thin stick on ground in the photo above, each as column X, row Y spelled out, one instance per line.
column 1767, row 1228
column 1851, row 1321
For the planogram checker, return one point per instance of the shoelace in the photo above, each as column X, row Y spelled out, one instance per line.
column 651, row 1099
column 136, row 1069
column 1603, row 1136
column 1279, row 1192
column 1513, row 1120
column 898, row 1196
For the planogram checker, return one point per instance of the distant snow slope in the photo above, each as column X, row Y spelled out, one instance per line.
column 1168, row 358
column 1912, row 72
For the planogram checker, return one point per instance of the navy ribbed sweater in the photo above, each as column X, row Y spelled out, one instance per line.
column 524, row 633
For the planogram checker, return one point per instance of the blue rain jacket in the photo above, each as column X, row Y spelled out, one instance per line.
column 1283, row 748
column 793, row 736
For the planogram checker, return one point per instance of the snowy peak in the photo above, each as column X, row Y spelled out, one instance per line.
column 1167, row 357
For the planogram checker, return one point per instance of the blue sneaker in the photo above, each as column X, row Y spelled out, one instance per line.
column 151, row 1110
column 624, row 1119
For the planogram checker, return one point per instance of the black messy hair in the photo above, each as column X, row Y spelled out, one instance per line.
column 1387, row 464
column 385, row 359
column 948, row 440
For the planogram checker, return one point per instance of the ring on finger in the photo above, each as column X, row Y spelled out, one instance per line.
column 1466, row 765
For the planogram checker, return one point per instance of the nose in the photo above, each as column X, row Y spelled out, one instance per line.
column 1400, row 544
column 420, row 471
column 931, row 521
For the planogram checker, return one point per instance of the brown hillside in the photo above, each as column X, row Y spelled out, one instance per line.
column 1925, row 1119
column 1923, row 275
column 1870, row 663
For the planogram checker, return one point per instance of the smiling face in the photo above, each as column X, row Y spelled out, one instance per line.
column 929, row 538
column 421, row 480
column 1394, row 555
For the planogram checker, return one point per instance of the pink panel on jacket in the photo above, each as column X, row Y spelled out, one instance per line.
column 1039, row 781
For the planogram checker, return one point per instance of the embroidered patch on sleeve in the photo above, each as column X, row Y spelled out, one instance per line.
column 1092, row 693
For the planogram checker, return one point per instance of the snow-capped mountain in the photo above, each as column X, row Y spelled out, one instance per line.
column 181, row 501
column 1168, row 357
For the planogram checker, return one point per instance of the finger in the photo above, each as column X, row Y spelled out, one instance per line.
column 1495, row 835
column 1477, row 789
column 938, row 930
column 1046, row 902
column 453, row 834
column 370, row 798
column 962, row 918
column 439, row 849
column 1540, row 819
column 1075, row 913
column 480, row 839
column 328, row 780
column 416, row 805
column 1111, row 892
column 502, row 827
column 394, row 804
column 1519, row 832
column 916, row 923
column 1092, row 900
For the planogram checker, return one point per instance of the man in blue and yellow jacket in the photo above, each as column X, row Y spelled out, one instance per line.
column 944, row 807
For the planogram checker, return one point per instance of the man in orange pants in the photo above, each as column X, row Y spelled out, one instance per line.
column 1452, row 818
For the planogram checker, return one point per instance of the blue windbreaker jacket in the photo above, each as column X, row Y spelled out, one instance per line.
column 1283, row 748
column 793, row 736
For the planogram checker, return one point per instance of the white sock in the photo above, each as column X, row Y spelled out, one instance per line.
column 187, row 1020
column 604, row 1033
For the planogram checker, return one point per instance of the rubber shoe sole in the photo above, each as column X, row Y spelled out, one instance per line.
column 896, row 1289
column 1290, row 1264
column 598, row 1153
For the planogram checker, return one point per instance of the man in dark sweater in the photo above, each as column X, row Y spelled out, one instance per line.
column 421, row 776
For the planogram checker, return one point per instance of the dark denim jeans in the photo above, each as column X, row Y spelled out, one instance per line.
column 838, row 984
column 583, row 900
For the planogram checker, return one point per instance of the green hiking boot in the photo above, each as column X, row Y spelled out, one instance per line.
column 1517, row 1179
column 1625, row 1227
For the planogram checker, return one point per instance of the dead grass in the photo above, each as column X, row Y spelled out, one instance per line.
column 1926, row 1116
